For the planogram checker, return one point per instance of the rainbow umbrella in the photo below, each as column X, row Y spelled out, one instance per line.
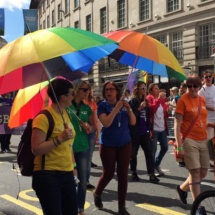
column 31, row 100
column 47, row 53
column 143, row 52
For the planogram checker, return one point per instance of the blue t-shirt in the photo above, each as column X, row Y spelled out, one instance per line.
column 118, row 133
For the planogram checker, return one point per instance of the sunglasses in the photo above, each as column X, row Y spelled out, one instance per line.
column 109, row 89
column 84, row 89
column 209, row 76
column 192, row 86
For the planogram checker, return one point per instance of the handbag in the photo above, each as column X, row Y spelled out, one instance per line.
column 179, row 158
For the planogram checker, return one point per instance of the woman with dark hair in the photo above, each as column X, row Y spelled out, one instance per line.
column 141, row 132
column 115, row 115
column 82, row 118
column 158, row 117
column 55, row 186
column 191, row 115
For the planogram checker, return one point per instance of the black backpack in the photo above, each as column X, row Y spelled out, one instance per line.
column 25, row 157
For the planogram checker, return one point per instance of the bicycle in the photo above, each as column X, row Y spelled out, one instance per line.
column 206, row 200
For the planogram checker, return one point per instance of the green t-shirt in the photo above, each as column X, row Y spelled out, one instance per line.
column 83, row 112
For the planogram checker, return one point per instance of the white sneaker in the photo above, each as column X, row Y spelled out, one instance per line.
column 160, row 172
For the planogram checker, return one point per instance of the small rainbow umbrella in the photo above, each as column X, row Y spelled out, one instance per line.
column 143, row 52
column 47, row 53
column 30, row 100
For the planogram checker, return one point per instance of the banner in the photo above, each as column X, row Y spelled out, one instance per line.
column 4, row 118
column 1, row 22
column 30, row 20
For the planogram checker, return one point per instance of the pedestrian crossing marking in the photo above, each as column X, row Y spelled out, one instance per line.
column 158, row 210
column 29, row 207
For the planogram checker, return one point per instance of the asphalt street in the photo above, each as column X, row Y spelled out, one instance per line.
column 143, row 197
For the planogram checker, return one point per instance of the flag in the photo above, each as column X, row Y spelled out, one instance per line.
column 135, row 76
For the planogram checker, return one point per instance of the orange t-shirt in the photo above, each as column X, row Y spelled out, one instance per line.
column 188, row 107
column 91, row 103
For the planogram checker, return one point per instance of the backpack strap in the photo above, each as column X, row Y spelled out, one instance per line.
column 49, row 132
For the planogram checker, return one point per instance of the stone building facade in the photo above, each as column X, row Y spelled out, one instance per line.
column 187, row 27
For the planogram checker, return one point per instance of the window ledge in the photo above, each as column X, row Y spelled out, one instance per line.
column 144, row 21
column 173, row 12
column 205, row 3
column 77, row 8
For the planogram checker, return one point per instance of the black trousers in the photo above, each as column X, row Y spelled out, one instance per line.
column 146, row 144
column 5, row 141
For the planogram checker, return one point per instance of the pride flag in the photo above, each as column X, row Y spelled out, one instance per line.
column 135, row 76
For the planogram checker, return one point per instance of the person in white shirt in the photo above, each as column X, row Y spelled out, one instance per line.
column 208, row 91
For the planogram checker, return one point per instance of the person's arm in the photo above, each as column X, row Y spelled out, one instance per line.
column 39, row 144
column 107, row 120
column 132, row 117
column 177, row 130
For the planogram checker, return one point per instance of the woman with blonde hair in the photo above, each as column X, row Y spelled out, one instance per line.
column 141, row 132
column 82, row 118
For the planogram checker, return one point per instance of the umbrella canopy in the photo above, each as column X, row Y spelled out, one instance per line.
column 56, row 50
column 143, row 52
column 31, row 100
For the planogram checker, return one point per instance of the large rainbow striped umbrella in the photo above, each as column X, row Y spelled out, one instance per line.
column 56, row 50
column 143, row 52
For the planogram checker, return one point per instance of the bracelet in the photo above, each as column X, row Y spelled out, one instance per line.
column 57, row 140
column 129, row 110
column 180, row 148
column 54, row 141
column 74, row 165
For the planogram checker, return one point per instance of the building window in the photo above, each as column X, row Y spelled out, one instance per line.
column 59, row 15
column 88, row 23
column 144, row 10
column 76, row 3
column 176, row 44
column 103, row 20
column 44, row 24
column 162, row 38
column 48, row 22
column 76, row 24
column 53, row 17
column 172, row 5
column 48, row 3
column 206, row 40
column 121, row 13
column 67, row 6
column 44, row 5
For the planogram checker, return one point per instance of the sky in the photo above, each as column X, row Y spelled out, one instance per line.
column 14, row 26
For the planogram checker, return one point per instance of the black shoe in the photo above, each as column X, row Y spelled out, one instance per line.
column 8, row 150
column 153, row 179
column 135, row 177
column 182, row 195
column 93, row 165
column 90, row 186
column 2, row 151
column 123, row 211
column 97, row 201
column 181, row 164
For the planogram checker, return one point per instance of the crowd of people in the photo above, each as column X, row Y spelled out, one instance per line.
column 122, row 123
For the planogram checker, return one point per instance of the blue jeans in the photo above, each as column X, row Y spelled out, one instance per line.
column 82, row 160
column 160, row 136
column 92, row 141
column 56, row 191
